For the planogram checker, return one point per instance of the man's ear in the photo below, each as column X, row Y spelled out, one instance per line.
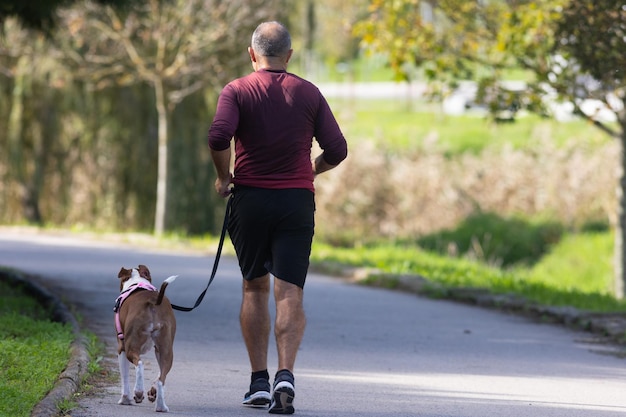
column 251, row 53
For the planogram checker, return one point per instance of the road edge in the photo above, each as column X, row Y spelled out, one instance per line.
column 611, row 327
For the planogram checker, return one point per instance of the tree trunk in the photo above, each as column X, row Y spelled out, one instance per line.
column 309, row 37
column 28, row 192
column 620, row 232
column 161, row 203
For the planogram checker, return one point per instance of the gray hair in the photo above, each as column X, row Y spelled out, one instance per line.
column 271, row 39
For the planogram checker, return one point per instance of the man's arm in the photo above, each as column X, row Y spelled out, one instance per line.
column 220, row 136
column 320, row 165
column 331, row 140
column 221, row 160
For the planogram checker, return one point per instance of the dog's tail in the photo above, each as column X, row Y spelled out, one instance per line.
column 163, row 287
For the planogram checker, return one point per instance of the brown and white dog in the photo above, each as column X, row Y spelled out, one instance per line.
column 143, row 319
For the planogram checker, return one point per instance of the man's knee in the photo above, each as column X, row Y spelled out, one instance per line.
column 284, row 290
column 257, row 285
column 259, row 282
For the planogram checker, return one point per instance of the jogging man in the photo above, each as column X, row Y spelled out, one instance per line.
column 273, row 117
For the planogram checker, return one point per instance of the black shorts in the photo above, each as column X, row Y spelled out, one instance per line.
column 272, row 231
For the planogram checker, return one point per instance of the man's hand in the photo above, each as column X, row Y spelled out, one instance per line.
column 319, row 165
column 222, row 186
column 221, row 160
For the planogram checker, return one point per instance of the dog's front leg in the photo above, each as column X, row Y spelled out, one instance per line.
column 124, row 371
column 139, row 382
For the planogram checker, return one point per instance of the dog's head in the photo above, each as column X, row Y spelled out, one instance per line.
column 126, row 274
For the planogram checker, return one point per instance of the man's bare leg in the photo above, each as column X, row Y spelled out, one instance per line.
column 290, row 322
column 288, row 329
column 255, row 320
column 255, row 328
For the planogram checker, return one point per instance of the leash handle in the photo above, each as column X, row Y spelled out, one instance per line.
column 215, row 262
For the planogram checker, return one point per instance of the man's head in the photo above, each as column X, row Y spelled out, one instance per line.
column 271, row 39
column 270, row 47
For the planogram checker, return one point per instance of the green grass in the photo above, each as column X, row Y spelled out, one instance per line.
column 33, row 351
column 373, row 68
column 580, row 262
column 564, row 277
column 400, row 126
column 364, row 69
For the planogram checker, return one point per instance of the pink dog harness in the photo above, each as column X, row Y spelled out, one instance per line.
column 122, row 297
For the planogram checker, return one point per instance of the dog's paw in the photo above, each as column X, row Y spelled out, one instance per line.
column 161, row 409
column 139, row 396
column 152, row 394
column 124, row 400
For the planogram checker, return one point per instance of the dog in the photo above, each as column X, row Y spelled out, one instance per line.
column 143, row 319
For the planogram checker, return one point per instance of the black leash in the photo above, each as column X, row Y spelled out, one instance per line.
column 217, row 259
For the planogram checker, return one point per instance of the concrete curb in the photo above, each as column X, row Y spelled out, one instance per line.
column 70, row 379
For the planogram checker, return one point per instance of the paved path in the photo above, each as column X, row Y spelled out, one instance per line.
column 367, row 352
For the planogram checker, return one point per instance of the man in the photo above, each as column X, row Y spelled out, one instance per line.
column 273, row 116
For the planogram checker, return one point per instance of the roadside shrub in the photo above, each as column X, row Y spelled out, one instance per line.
column 495, row 240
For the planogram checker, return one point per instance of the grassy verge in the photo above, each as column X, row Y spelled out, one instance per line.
column 576, row 272
column 33, row 351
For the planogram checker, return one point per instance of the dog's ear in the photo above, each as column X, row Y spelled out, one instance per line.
column 144, row 272
column 124, row 274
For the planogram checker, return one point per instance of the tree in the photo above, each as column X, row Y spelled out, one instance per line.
column 41, row 15
column 178, row 48
column 573, row 50
column 591, row 37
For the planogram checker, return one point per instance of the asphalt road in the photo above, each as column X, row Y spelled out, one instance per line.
column 366, row 352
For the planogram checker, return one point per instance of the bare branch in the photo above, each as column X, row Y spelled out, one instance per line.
column 602, row 126
column 178, row 95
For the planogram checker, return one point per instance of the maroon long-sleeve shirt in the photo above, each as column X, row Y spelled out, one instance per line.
column 273, row 117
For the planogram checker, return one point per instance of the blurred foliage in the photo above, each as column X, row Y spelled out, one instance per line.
column 86, row 111
column 592, row 33
column 575, row 51
column 41, row 14
column 570, row 50
column 448, row 41
column 495, row 240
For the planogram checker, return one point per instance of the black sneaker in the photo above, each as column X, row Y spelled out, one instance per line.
column 259, row 394
column 282, row 397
